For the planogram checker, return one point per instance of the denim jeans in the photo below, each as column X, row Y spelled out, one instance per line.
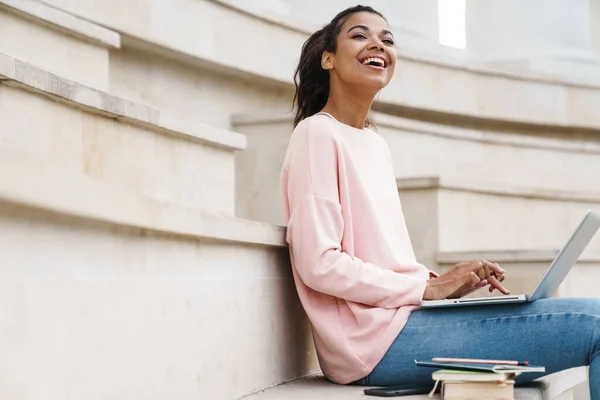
column 558, row 333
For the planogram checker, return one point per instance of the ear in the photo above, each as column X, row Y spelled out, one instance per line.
column 327, row 60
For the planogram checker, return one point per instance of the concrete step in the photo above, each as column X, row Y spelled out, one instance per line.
column 518, row 163
column 561, row 386
column 106, row 293
column 143, row 74
column 466, row 215
column 57, row 41
column 51, row 119
column 552, row 160
column 556, row 162
column 432, row 87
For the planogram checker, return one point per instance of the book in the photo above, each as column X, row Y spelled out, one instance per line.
column 449, row 375
column 481, row 367
column 478, row 390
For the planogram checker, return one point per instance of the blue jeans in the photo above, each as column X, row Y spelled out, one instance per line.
column 558, row 333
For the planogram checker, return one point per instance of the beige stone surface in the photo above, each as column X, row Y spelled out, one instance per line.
column 595, row 27
column 110, row 294
column 99, row 311
column 414, row 22
column 561, row 161
column 476, row 219
column 258, row 169
column 54, row 188
column 558, row 167
column 30, row 78
column 542, row 159
column 167, row 158
column 530, row 40
column 195, row 93
column 490, row 221
column 63, row 21
column 43, row 45
column 423, row 84
column 159, row 165
column 557, row 386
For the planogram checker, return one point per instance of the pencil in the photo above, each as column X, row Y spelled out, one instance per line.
column 479, row 361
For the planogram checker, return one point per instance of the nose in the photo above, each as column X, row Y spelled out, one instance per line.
column 376, row 44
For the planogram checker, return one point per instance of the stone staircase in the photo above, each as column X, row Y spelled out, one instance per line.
column 144, row 256
column 57, row 41
column 126, row 274
column 114, row 140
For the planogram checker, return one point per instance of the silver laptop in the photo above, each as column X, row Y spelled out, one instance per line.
column 551, row 280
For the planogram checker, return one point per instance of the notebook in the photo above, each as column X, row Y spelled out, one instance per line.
column 496, row 368
column 450, row 375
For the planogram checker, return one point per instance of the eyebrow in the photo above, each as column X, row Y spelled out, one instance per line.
column 366, row 28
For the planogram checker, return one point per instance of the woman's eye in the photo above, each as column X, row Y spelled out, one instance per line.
column 388, row 41
column 360, row 35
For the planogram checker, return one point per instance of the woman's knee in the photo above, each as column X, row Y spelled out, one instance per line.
column 567, row 305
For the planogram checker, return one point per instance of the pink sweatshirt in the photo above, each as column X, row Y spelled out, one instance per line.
column 352, row 259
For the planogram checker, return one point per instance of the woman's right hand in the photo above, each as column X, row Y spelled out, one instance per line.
column 464, row 278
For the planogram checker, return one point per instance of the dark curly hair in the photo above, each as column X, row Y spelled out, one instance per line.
column 310, row 79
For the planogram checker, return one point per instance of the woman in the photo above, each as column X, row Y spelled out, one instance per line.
column 353, row 263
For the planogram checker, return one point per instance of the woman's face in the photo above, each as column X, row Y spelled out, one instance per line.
column 365, row 53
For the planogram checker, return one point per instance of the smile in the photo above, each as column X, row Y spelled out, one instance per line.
column 377, row 63
column 374, row 62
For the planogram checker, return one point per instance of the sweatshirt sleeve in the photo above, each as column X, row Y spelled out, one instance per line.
column 315, row 230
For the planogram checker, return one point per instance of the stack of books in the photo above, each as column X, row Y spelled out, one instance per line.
column 462, row 385
column 468, row 379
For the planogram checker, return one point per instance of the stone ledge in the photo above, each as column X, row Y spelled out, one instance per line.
column 516, row 139
column 64, row 22
column 26, row 183
column 409, row 54
column 426, row 89
column 550, row 387
column 490, row 188
column 28, row 77
column 509, row 256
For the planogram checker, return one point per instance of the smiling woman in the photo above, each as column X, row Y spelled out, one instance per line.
column 353, row 262
column 344, row 56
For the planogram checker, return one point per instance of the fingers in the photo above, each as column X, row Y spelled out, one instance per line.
column 493, row 268
column 470, row 276
column 482, row 268
column 495, row 284
column 460, row 284
column 500, row 278
column 485, row 270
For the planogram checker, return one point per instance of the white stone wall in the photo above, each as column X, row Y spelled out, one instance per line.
column 551, row 36
column 56, row 41
column 188, row 92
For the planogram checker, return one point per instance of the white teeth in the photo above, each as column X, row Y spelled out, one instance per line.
column 374, row 59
